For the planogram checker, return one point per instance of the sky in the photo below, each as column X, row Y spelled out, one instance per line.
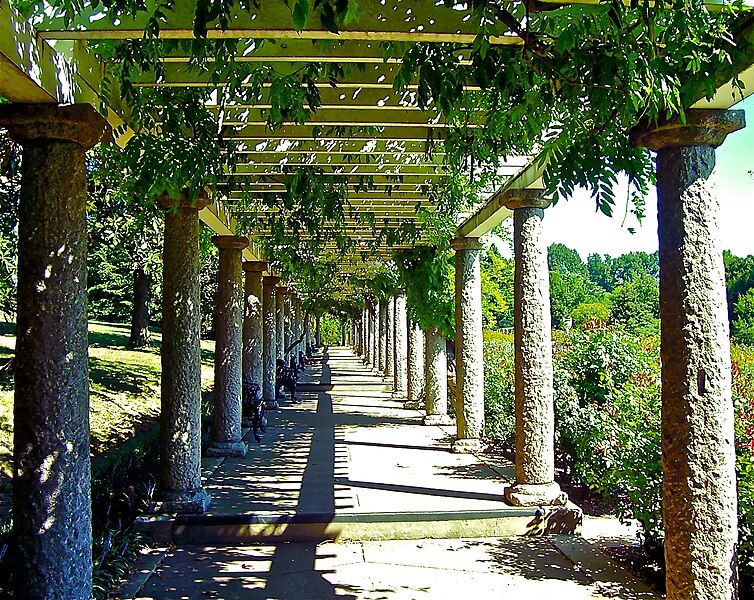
column 576, row 224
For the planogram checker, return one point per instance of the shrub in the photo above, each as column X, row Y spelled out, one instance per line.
column 590, row 313
column 743, row 396
column 499, row 388
column 609, row 426
column 636, row 305
column 743, row 323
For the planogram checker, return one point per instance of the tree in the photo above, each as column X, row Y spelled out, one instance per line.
column 627, row 267
column 10, row 178
column 497, row 289
column 636, row 305
column 124, row 250
column 600, row 270
column 567, row 291
column 739, row 277
column 743, row 323
column 565, row 260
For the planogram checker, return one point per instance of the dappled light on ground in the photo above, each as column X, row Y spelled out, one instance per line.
column 345, row 461
column 124, row 388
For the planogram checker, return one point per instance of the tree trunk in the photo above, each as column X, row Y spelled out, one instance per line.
column 140, row 318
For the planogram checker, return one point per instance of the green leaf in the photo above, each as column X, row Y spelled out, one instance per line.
column 300, row 14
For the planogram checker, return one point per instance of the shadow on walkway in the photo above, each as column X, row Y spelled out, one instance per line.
column 293, row 571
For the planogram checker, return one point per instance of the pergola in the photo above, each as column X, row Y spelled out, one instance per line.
column 53, row 80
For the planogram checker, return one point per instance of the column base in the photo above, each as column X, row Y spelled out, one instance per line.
column 272, row 405
column 535, row 494
column 399, row 397
column 184, row 502
column 467, row 446
column 413, row 405
column 438, row 420
column 226, row 449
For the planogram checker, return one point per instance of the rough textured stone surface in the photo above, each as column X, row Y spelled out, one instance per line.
column 253, row 334
column 382, row 320
column 51, row 480
column 269, row 328
column 699, row 486
column 436, row 370
column 226, row 422
column 375, row 336
column 287, row 321
column 535, row 419
column 702, row 127
column 390, row 339
column 368, row 335
column 79, row 124
column 469, row 346
column 180, row 416
column 536, row 494
column 415, row 359
column 364, row 334
column 280, row 292
column 400, row 376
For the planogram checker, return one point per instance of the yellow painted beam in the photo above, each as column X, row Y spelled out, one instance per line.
column 393, row 20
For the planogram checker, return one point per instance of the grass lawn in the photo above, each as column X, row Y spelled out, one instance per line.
column 124, row 388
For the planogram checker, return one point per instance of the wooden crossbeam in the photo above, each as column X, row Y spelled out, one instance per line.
column 371, row 145
column 341, row 159
column 261, row 133
column 393, row 20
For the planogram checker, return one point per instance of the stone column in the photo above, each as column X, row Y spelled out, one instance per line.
column 181, row 394
column 358, row 343
column 269, row 346
column 52, row 522
column 226, row 413
column 400, row 387
column 287, row 321
column 436, row 385
column 416, row 360
column 390, row 339
column 382, row 320
column 295, row 323
column 318, row 331
column 367, row 335
column 375, row 336
column 307, row 331
column 253, row 324
column 535, row 454
column 698, row 454
column 469, row 346
column 280, row 293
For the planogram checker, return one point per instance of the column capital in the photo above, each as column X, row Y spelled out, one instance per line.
column 230, row 242
column 702, row 127
column 77, row 123
column 526, row 198
column 466, row 243
column 254, row 265
column 168, row 202
column 270, row 280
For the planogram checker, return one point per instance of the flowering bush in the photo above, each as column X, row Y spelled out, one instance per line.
column 499, row 406
column 608, row 431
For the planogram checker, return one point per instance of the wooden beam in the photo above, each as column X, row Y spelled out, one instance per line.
column 393, row 20
column 261, row 133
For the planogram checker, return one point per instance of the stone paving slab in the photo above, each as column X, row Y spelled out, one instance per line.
column 511, row 568
column 345, row 448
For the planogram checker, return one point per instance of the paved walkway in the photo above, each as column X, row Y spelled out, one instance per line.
column 347, row 447
column 348, row 452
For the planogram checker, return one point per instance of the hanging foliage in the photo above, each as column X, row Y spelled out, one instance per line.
column 427, row 275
